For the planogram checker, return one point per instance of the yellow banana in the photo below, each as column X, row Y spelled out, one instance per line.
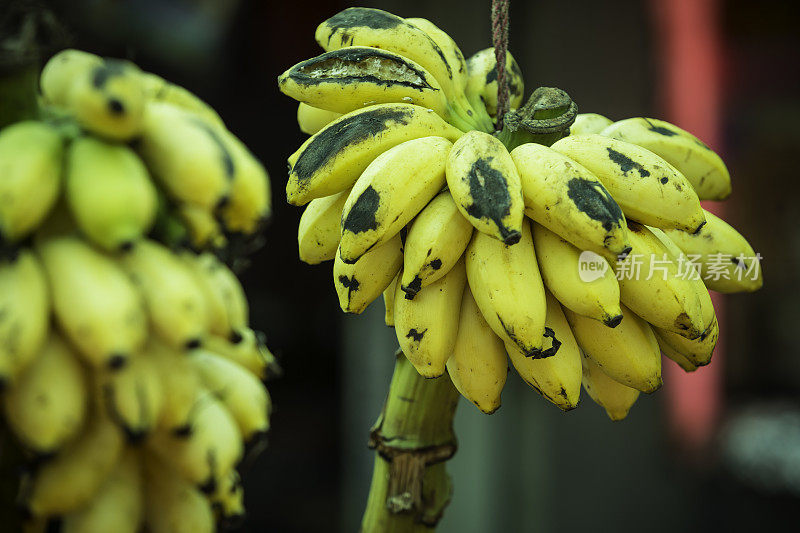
column 390, row 192
column 201, row 226
column 566, row 198
column 312, row 119
column 181, row 386
column 649, row 190
column 482, row 84
column 478, row 365
column 109, row 193
column 318, row 232
column 249, row 351
column 436, row 240
column 360, row 283
column 486, row 186
column 228, row 501
column 697, row 351
column 616, row 398
column 427, row 326
column 671, row 353
column 173, row 505
column 331, row 160
column 388, row 300
column 587, row 123
column 30, row 162
column 158, row 89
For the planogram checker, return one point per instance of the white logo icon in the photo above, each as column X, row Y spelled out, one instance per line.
column 591, row 266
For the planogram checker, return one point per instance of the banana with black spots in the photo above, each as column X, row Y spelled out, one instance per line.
column 698, row 351
column 359, row 284
column 248, row 349
column 318, row 232
column 482, row 81
column 616, row 398
column 677, row 357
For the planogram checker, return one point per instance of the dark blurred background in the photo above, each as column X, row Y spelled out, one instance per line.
column 718, row 450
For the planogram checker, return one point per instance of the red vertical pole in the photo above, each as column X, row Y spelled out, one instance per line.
column 689, row 58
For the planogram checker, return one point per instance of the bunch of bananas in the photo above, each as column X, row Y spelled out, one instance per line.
column 130, row 375
column 482, row 248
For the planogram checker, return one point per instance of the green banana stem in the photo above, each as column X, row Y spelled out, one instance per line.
column 412, row 437
column 544, row 119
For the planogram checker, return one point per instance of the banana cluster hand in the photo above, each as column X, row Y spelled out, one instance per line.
column 129, row 371
column 484, row 253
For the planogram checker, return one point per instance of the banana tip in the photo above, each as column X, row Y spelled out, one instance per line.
column 117, row 361
column 613, row 321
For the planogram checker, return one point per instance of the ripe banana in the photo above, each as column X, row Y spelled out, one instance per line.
column 649, row 190
column 181, row 386
column 485, row 185
column 435, row 242
column 47, row 406
column 701, row 166
column 390, row 192
column 173, row 505
column 482, row 83
column 507, row 286
column 563, row 196
column 202, row 228
column 109, row 193
column 629, row 353
column 427, row 326
column 158, row 89
column 586, row 123
column 318, row 232
column 697, row 351
column 30, row 162
column 95, row 303
column 174, row 302
column 388, row 300
column 25, row 322
column 331, row 160
column 249, row 351
column 616, row 398
column 360, row 283
column 478, row 366
column 560, row 264
column 312, row 119
column 557, row 377
column 228, row 501
column 674, row 355
column 250, row 199
column 723, row 254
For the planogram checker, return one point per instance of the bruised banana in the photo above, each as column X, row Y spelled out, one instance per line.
column 586, row 123
column 359, row 284
column 560, row 264
column 31, row 156
column 566, row 198
column 701, row 166
column 616, row 398
column 390, row 192
column 723, row 253
column 109, row 193
column 507, row 286
column 435, row 242
column 485, row 185
column 173, row 505
column 648, row 189
column 331, row 160
column 482, row 82
column 312, row 119
column 478, row 366
column 318, row 232
column 427, row 326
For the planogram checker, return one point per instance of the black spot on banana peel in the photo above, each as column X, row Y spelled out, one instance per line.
column 595, row 201
column 109, row 69
column 488, row 189
column 549, row 352
column 661, row 130
column 626, row 164
column 415, row 335
column 361, row 216
column 412, row 288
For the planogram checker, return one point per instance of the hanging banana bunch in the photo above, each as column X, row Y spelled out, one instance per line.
column 130, row 374
column 581, row 253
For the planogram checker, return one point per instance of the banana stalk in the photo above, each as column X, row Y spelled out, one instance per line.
column 412, row 437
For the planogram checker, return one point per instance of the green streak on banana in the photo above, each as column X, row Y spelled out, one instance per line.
column 721, row 249
column 95, row 303
column 701, row 166
column 558, row 377
column 172, row 504
column 478, row 366
column 106, row 96
column 566, row 198
column 359, row 284
column 559, row 262
column 388, row 300
column 649, row 190
column 616, row 398
column 587, row 123
column 482, row 83
column 390, row 192
column 174, row 302
column 628, row 354
column 241, row 392
column 228, row 500
column 249, row 352
column 119, row 504
column 47, row 406
column 652, row 286
column 677, row 357
column 486, row 186
column 698, row 351
column 350, row 78
column 30, row 163
column 427, row 326
column 181, row 385
column 312, row 119
column 186, row 155
column 25, row 322
column 435, row 242
column 318, row 232
column 109, row 193
column 73, row 477
column 332, row 160
column 160, row 90
column 507, row 286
